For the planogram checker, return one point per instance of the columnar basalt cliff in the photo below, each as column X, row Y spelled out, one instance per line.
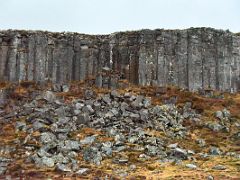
column 195, row 58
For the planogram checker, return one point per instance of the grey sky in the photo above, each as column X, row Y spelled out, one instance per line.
column 107, row 16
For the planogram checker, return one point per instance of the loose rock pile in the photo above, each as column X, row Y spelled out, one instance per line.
column 122, row 123
column 122, row 117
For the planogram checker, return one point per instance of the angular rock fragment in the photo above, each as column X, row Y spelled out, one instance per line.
column 49, row 96
column 83, row 118
column 49, row 162
column 191, row 166
column 63, row 167
column 179, row 153
column 215, row 151
column 219, row 167
column 219, row 115
column 47, row 137
column 82, row 171
column 92, row 154
column 69, row 145
column 88, row 140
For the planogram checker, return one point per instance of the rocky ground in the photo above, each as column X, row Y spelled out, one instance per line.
column 132, row 133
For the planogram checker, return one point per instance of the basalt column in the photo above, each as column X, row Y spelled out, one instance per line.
column 193, row 59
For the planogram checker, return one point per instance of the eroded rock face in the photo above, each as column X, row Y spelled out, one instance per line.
column 195, row 58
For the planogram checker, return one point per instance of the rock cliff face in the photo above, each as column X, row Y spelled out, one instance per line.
column 195, row 58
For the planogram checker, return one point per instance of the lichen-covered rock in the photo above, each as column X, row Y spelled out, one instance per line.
column 92, row 154
column 47, row 137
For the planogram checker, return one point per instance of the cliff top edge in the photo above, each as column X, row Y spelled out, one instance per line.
column 63, row 33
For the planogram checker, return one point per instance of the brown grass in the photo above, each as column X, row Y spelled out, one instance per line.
column 148, row 169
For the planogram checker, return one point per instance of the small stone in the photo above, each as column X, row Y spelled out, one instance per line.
column 138, row 102
column 219, row 115
column 151, row 150
column 134, row 116
column 120, row 148
column 144, row 156
column 124, row 106
column 210, row 177
column 74, row 165
column 88, row 109
column 144, row 115
column 72, row 145
column 107, row 148
column 2, row 170
column 179, row 153
column 72, row 154
column 97, row 105
column 215, row 127
column 173, row 146
column 92, row 154
column 114, row 111
column 122, row 161
column 226, row 113
column 63, row 130
column 178, row 162
column 47, row 137
column 88, row 140
column 219, row 167
column 88, row 94
column 63, row 168
column 57, row 88
column 83, row 118
column 79, row 106
column 5, row 160
column 82, row 171
column 112, row 132
column 42, row 152
column 146, row 102
column 60, row 111
column 63, row 120
column 203, row 155
column 190, row 152
column 119, row 137
column 106, row 68
column 60, row 158
column 114, row 94
column 3, row 165
column 76, row 112
column 109, row 114
column 215, row 151
column 65, row 88
column 49, row 96
column 133, row 139
column 49, row 162
column 21, row 125
column 191, row 166
column 127, row 95
column 38, row 125
column 201, row 142
column 106, row 99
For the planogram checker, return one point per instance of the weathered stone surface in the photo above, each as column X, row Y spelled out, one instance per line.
column 195, row 58
column 219, row 167
column 191, row 166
